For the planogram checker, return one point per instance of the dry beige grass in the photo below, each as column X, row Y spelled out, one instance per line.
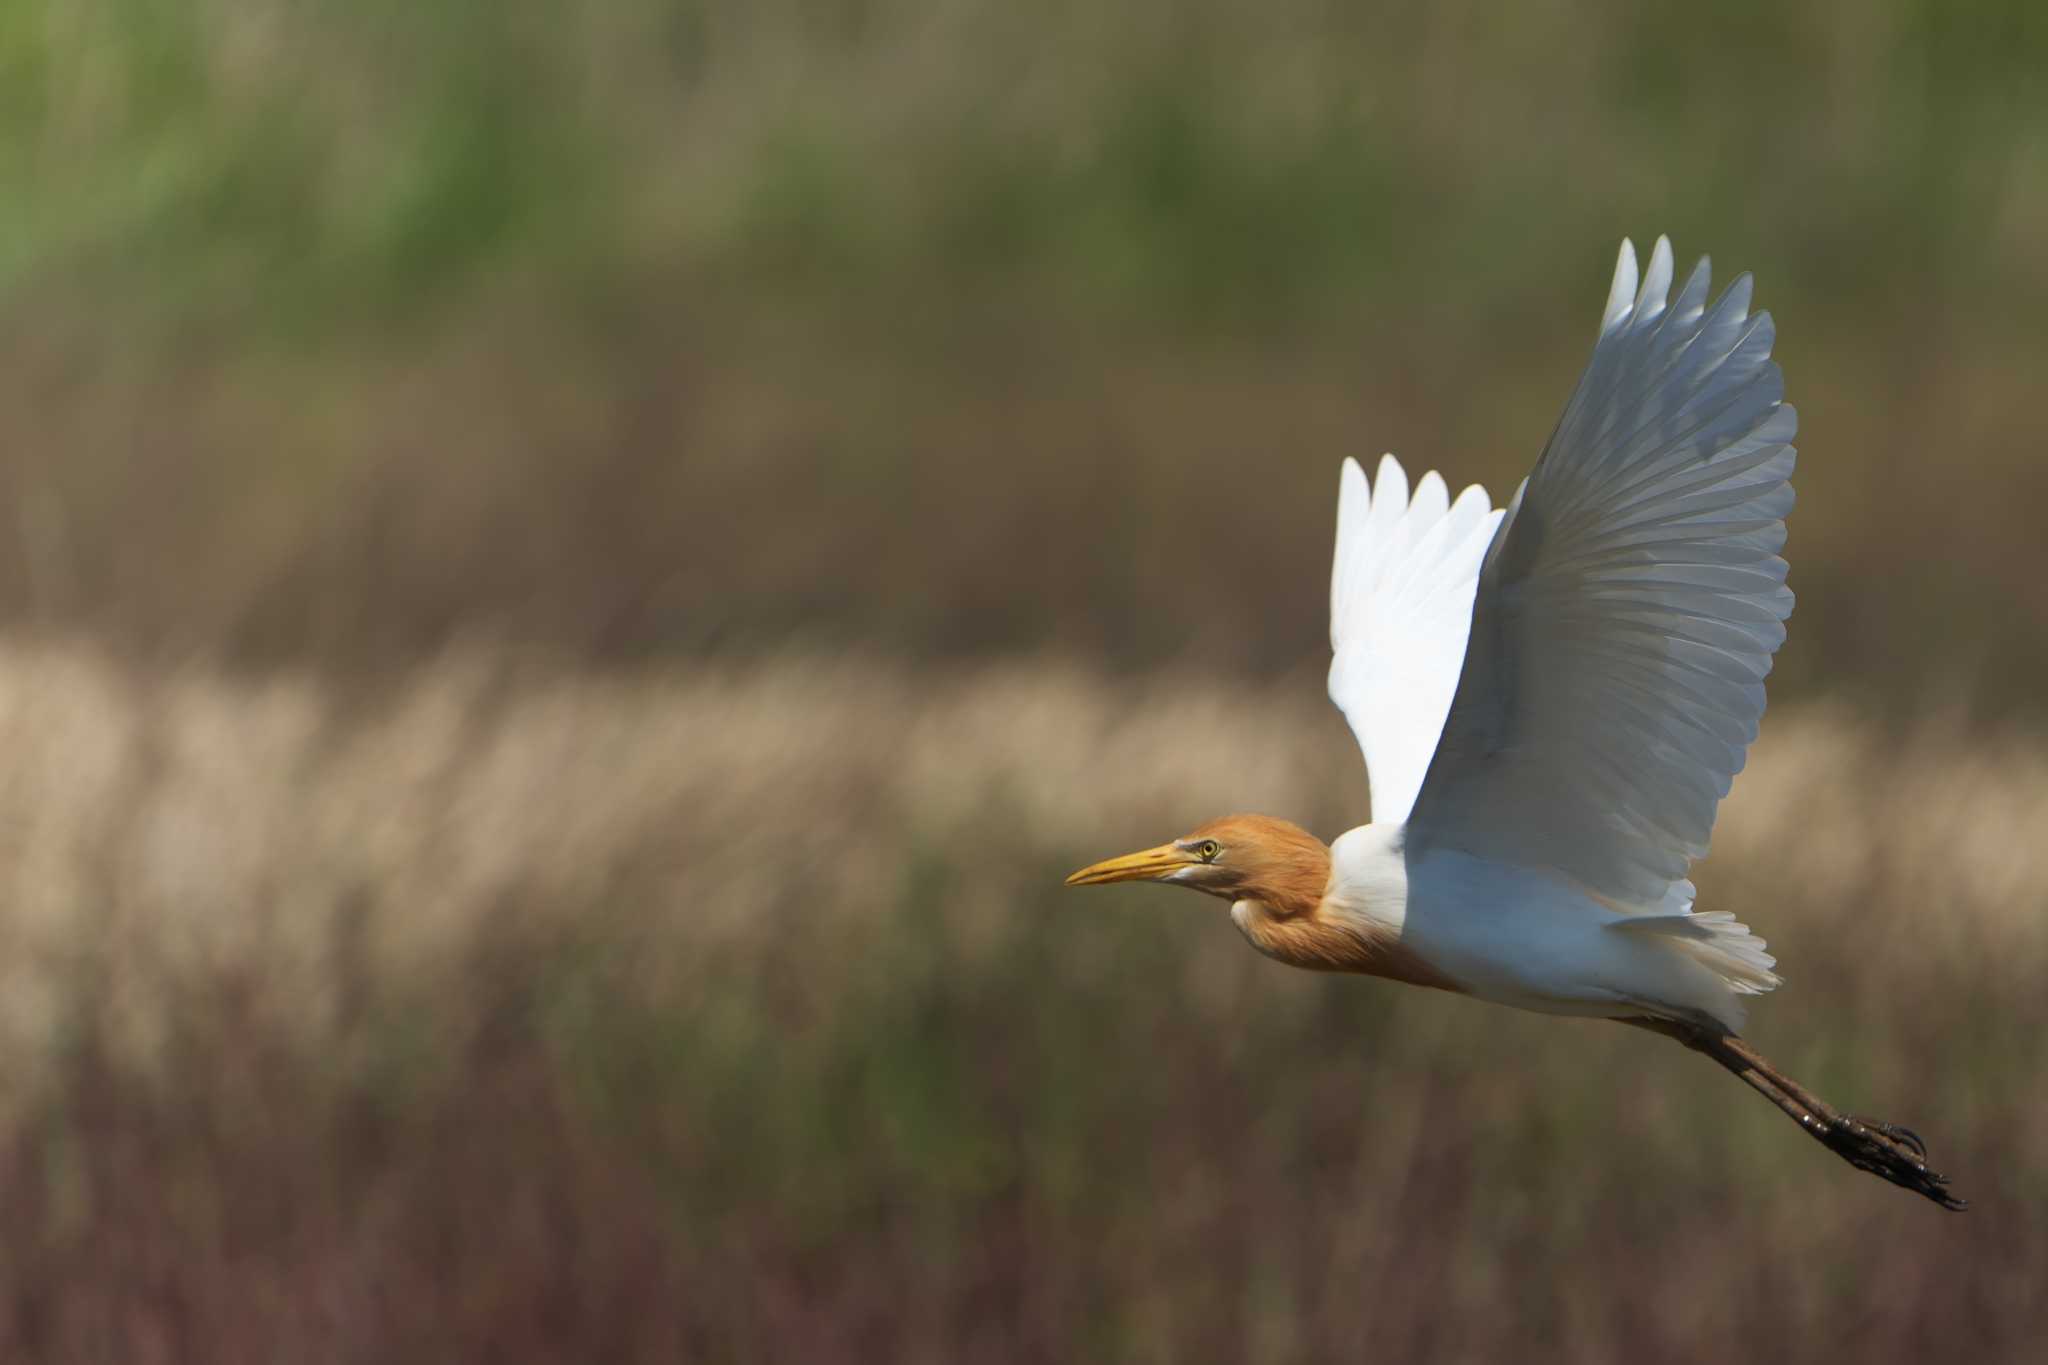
column 211, row 815
column 442, row 995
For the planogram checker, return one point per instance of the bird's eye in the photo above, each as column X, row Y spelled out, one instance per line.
column 1208, row 849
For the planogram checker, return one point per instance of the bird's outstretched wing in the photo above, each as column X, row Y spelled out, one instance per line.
column 1400, row 604
column 1628, row 609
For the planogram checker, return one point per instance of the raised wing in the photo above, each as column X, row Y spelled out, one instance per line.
column 1628, row 610
column 1400, row 603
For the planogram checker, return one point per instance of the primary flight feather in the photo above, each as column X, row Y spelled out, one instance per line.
column 1552, row 700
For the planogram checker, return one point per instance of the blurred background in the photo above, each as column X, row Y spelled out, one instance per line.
column 573, row 577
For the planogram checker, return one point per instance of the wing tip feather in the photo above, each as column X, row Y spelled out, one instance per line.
column 1621, row 295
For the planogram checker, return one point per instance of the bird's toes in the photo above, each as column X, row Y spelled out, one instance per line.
column 1897, row 1133
column 1894, row 1152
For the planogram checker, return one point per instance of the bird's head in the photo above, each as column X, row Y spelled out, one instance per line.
column 1239, row 857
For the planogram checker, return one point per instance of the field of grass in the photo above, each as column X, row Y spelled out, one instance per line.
column 738, row 1014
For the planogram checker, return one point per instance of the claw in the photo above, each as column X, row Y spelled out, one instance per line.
column 1897, row 1132
column 1906, row 1135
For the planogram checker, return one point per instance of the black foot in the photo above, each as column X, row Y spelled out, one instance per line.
column 1893, row 1152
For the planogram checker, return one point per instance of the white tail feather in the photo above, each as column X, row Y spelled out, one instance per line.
column 1717, row 941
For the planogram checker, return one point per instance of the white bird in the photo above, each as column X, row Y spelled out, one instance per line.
column 1552, row 699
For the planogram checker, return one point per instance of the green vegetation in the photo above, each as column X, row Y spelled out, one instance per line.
column 652, row 327
column 273, row 162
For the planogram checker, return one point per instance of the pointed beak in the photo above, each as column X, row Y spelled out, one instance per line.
column 1148, row 865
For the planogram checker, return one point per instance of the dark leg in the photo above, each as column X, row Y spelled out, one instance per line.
column 1881, row 1148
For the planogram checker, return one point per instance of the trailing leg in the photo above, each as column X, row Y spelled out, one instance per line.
column 1872, row 1145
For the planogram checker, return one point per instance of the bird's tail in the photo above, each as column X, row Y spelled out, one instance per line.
column 1717, row 941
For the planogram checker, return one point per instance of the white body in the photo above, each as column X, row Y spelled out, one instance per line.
column 1520, row 937
column 1552, row 700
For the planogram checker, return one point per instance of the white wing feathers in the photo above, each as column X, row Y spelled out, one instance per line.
column 1626, row 613
column 1400, row 605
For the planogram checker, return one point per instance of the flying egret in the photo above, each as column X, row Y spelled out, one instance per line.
column 1552, row 698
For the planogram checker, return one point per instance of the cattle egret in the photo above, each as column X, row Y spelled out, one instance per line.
column 1552, row 698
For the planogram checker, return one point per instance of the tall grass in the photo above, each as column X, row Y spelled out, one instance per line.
column 515, row 1013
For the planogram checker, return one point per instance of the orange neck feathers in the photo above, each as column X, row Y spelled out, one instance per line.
column 1276, row 876
column 1282, row 877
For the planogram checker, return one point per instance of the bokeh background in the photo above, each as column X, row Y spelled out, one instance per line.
column 572, row 578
